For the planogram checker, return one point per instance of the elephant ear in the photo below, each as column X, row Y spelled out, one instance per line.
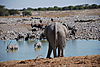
column 66, row 25
column 72, row 29
column 66, row 30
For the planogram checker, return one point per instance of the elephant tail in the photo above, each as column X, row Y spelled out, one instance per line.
column 55, row 33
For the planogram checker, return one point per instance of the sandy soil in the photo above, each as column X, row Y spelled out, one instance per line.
column 80, row 61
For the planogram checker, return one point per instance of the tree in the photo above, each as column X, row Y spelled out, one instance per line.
column 85, row 6
column 78, row 7
column 98, row 6
column 27, row 13
column 56, row 8
column 50, row 8
column 93, row 6
column 30, row 9
column 64, row 8
column 2, row 6
column 42, row 9
column 13, row 12
column 70, row 7
column 3, row 11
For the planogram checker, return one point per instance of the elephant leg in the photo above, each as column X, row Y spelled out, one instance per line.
column 62, row 53
column 58, row 52
column 49, row 51
column 54, row 52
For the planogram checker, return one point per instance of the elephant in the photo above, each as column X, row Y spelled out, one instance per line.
column 56, row 34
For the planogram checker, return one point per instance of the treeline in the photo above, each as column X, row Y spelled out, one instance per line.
column 14, row 12
column 77, row 7
column 6, row 12
column 28, row 11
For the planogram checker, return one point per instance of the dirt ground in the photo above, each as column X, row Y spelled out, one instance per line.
column 79, row 61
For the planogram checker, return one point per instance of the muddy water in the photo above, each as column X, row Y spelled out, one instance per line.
column 26, row 49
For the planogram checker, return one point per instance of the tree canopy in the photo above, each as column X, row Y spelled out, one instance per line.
column 77, row 7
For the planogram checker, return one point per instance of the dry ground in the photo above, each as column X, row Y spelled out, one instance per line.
column 80, row 61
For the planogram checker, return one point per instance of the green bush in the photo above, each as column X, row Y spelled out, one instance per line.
column 27, row 13
column 3, row 11
column 13, row 12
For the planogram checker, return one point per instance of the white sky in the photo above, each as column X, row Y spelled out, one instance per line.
column 19, row 4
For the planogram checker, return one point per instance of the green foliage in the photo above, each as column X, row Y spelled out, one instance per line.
column 27, row 13
column 30, row 9
column 50, row 8
column 98, row 6
column 70, row 8
column 93, row 6
column 41, row 9
column 2, row 7
column 13, row 12
column 3, row 11
column 77, row 7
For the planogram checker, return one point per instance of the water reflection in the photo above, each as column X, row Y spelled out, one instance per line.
column 20, row 43
column 27, row 51
column 10, row 50
column 82, row 48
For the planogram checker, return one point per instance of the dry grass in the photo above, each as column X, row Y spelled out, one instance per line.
column 60, row 13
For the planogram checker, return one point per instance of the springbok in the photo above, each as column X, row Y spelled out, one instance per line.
column 38, row 45
column 12, row 47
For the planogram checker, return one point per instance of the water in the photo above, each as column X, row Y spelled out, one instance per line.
column 27, row 51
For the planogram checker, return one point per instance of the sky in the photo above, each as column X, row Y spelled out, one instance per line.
column 20, row 4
